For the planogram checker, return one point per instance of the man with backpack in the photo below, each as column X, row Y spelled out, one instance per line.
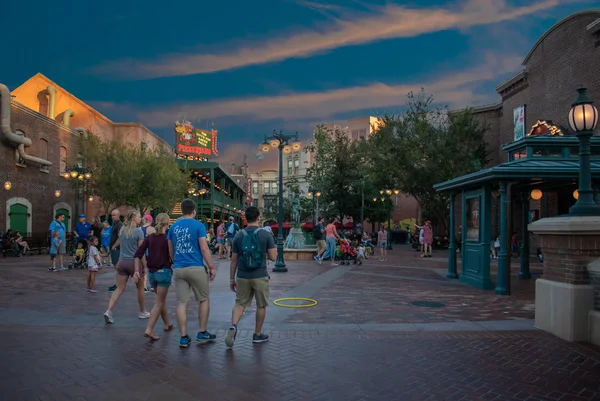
column 318, row 231
column 251, row 249
column 231, row 229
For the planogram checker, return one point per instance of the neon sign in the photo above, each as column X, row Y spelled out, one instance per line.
column 194, row 143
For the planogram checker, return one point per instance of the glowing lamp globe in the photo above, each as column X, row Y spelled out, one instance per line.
column 66, row 175
column 296, row 146
column 265, row 148
column 274, row 143
column 583, row 116
column 57, row 193
column 536, row 194
column 8, row 185
column 576, row 194
column 74, row 174
column 287, row 149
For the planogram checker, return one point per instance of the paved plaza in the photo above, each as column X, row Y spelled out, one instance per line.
column 365, row 340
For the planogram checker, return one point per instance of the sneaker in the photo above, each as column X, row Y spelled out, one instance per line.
column 112, row 289
column 320, row 261
column 185, row 342
column 144, row 315
column 92, row 290
column 146, row 290
column 204, row 337
column 230, row 336
column 52, row 269
column 316, row 258
column 108, row 317
column 260, row 338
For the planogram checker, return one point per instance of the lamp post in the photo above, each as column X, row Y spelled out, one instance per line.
column 313, row 193
column 389, row 192
column 583, row 118
column 286, row 144
column 80, row 175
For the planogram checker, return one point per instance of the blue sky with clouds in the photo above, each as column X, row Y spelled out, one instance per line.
column 252, row 67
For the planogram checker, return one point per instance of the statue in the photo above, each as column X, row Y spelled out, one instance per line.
column 296, row 210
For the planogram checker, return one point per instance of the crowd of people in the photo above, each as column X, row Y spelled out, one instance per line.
column 153, row 254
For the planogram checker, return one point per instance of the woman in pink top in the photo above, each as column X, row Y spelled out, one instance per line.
column 331, row 236
column 427, row 240
column 221, row 239
column 382, row 238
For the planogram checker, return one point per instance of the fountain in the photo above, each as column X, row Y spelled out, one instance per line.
column 295, row 244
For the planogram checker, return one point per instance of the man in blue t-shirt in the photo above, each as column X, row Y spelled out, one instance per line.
column 231, row 229
column 58, row 225
column 193, row 268
column 82, row 228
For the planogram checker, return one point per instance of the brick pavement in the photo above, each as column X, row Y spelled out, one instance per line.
column 56, row 346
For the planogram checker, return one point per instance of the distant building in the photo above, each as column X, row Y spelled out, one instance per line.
column 264, row 188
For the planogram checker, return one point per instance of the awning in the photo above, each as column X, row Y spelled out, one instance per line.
column 286, row 226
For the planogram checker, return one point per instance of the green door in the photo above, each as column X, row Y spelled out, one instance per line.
column 67, row 218
column 18, row 218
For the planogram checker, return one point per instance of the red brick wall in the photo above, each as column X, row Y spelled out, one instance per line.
column 29, row 182
column 560, row 63
column 566, row 257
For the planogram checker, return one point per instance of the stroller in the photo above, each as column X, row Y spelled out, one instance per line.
column 80, row 257
column 348, row 254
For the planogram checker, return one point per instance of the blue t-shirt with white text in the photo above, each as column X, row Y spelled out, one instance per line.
column 184, row 234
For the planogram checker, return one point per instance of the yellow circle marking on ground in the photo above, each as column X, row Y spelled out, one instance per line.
column 311, row 304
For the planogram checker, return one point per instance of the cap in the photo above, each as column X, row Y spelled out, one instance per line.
column 82, row 216
column 148, row 218
column 231, row 218
column 428, row 222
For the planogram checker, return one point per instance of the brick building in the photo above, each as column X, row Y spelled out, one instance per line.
column 51, row 119
column 565, row 57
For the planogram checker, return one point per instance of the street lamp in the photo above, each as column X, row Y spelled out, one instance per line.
column 388, row 191
column 314, row 193
column 280, row 141
column 79, row 174
column 583, row 118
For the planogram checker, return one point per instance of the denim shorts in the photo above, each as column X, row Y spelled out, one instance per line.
column 220, row 240
column 161, row 277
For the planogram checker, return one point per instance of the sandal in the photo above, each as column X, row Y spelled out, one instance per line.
column 422, row 256
column 152, row 337
column 168, row 328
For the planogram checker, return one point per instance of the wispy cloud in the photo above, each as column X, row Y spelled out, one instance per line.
column 347, row 27
column 455, row 89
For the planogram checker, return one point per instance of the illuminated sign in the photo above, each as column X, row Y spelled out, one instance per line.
column 249, row 191
column 545, row 128
column 193, row 143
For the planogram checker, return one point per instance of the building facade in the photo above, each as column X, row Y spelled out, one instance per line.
column 50, row 120
column 265, row 188
column 562, row 60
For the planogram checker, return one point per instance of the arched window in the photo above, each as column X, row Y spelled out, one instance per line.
column 63, row 159
column 44, row 149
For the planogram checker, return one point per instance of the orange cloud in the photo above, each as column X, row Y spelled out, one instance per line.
column 346, row 29
column 455, row 89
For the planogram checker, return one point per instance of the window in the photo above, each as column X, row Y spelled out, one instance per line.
column 266, row 187
column 520, row 154
column 63, row 159
column 255, row 202
column 274, row 188
column 255, row 187
column 547, row 152
column 44, row 149
column 362, row 133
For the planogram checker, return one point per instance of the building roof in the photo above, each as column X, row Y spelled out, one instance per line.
column 75, row 98
column 525, row 169
column 556, row 26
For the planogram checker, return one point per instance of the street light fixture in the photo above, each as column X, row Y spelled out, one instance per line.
column 388, row 191
column 81, row 174
column 313, row 193
column 280, row 141
column 8, row 185
column 583, row 118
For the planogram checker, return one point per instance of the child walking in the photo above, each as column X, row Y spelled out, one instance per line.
column 94, row 264
column 55, row 242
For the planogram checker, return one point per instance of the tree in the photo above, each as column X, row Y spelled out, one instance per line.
column 123, row 175
column 337, row 171
column 425, row 146
column 156, row 181
column 109, row 163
